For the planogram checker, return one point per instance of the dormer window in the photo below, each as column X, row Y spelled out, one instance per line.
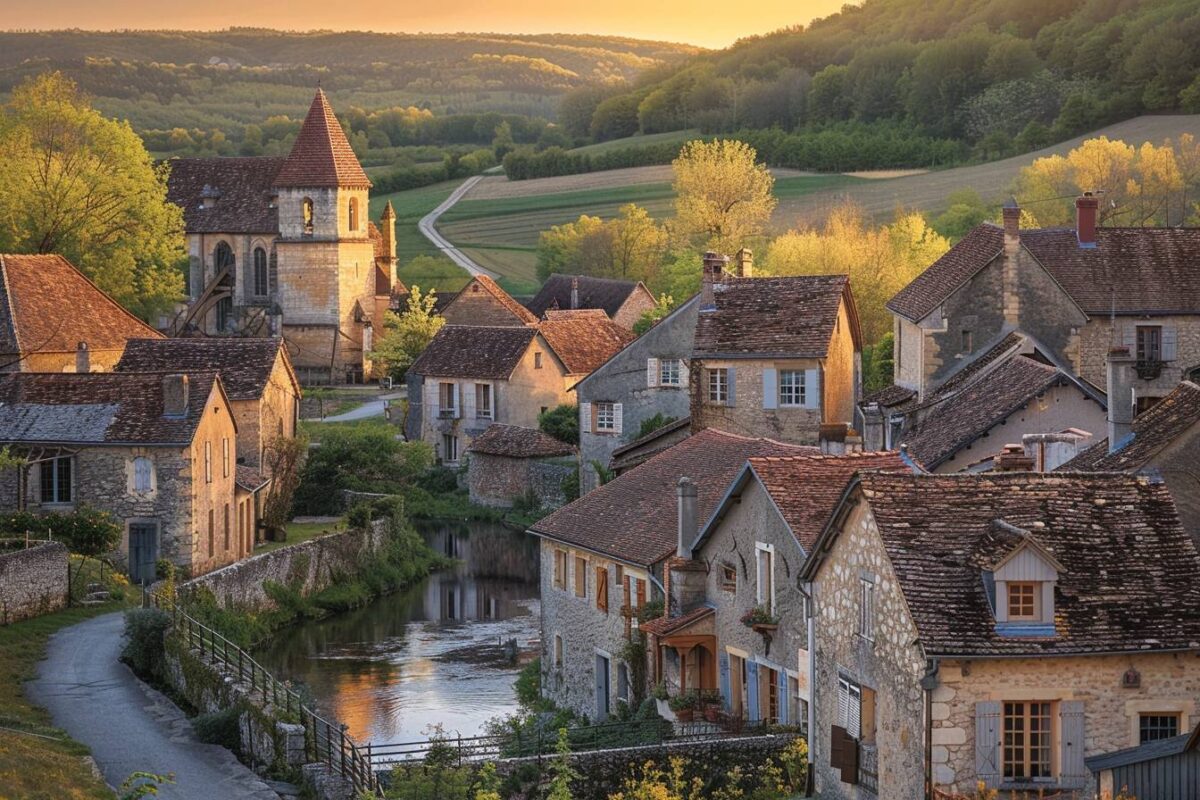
column 1023, row 601
column 1021, row 584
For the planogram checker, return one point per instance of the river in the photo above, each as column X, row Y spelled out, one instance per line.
column 433, row 654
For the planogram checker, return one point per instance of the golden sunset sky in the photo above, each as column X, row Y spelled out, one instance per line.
column 711, row 23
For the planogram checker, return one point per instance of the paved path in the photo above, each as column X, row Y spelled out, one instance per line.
column 371, row 408
column 428, row 227
column 129, row 726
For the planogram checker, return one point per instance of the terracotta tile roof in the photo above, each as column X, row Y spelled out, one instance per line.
column 633, row 516
column 1129, row 271
column 474, row 351
column 490, row 286
column 245, row 365
column 957, row 419
column 1130, row 570
column 97, row 408
column 321, row 155
column 46, row 305
column 249, row 478
column 607, row 294
column 517, row 442
column 806, row 489
column 791, row 316
column 1162, row 424
column 225, row 195
column 665, row 626
column 584, row 341
column 889, row 396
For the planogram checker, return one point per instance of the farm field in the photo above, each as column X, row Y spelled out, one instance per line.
column 639, row 140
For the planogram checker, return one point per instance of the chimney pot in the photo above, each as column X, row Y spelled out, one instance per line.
column 83, row 361
column 1085, row 219
column 688, row 522
column 175, row 395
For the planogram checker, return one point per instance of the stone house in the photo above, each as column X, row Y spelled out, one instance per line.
column 997, row 628
column 283, row 247
column 257, row 374
column 483, row 302
column 775, row 357
column 602, row 561
column 583, row 339
column 648, row 377
column 624, row 302
column 509, row 463
column 155, row 450
column 1078, row 291
column 746, row 559
column 35, row 333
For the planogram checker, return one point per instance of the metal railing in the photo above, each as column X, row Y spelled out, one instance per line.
column 868, row 767
column 324, row 741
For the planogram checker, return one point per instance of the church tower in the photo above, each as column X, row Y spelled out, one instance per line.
column 326, row 260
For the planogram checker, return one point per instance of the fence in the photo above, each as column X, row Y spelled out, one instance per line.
column 324, row 741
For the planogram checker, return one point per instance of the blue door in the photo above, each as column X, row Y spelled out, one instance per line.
column 143, row 552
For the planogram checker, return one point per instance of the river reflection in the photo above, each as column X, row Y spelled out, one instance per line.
column 434, row 654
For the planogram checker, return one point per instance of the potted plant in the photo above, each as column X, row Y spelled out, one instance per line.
column 684, row 706
column 712, row 706
column 761, row 620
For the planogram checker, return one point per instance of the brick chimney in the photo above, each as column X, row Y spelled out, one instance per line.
column 1120, row 396
column 688, row 523
column 745, row 263
column 175, row 395
column 1010, row 282
column 574, row 293
column 83, row 361
column 1013, row 459
column 1086, row 207
column 1012, row 219
column 712, row 267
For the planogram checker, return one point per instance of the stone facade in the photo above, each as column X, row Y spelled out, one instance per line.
column 625, row 380
column 475, row 305
column 497, row 481
column 1100, row 334
column 261, row 420
column 33, row 580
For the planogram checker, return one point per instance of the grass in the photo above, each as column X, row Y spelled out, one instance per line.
column 639, row 140
column 410, row 206
column 316, row 430
column 301, row 532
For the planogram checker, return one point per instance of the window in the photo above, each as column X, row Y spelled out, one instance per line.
column 866, row 714
column 143, row 474
column 483, row 401
column 260, row 272
column 1027, row 741
column 729, row 578
column 718, row 386
column 791, row 387
column 353, row 213
column 765, row 588
column 580, row 576
column 606, row 417
column 558, row 651
column 211, row 548
column 208, row 462
column 225, row 457
column 669, row 372
column 447, row 399
column 1152, row 727
column 449, row 448
column 226, row 527
column 966, row 346
column 223, row 258
column 866, row 609
column 306, row 214
column 1149, row 343
column 1023, row 601
column 560, row 569
column 56, row 480
column 537, row 360
column 602, row 589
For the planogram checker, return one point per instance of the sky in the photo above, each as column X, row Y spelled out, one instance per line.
column 709, row 23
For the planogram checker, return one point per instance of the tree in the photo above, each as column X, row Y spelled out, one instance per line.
column 283, row 458
column 662, row 307
column 561, row 422
column 78, row 184
column 408, row 333
column 637, row 244
column 558, row 249
column 88, row 533
column 615, row 118
column 722, row 196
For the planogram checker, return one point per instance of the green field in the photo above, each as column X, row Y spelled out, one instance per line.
column 639, row 141
column 410, row 206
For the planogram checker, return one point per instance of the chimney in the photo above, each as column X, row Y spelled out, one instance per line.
column 574, row 292
column 175, row 395
column 687, row 518
column 1120, row 396
column 1013, row 459
column 1085, row 219
column 387, row 227
column 1010, row 283
column 1012, row 219
column 83, row 361
column 712, row 267
column 831, row 437
column 874, row 435
column 745, row 263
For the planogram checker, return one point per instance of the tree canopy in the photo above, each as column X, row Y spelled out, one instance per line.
column 722, row 195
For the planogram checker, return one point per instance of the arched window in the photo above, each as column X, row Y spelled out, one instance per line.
column 223, row 257
column 307, row 213
column 261, row 288
column 353, row 213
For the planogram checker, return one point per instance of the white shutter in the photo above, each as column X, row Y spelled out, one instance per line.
column 469, row 402
column 457, row 401
column 651, row 372
column 1073, row 772
column 1129, row 336
column 1169, row 340
column 731, row 383
column 617, row 414
column 854, row 713
column 432, row 399
column 585, row 417
column 685, row 375
column 843, row 703
column 770, row 388
column 812, row 388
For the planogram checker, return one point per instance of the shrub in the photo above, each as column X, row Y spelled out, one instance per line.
column 561, row 422
column 652, row 424
column 145, row 630
column 219, row 727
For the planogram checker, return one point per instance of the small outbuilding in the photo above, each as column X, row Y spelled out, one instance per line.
column 1167, row 769
column 508, row 463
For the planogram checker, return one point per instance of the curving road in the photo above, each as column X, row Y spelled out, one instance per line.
column 428, row 228
column 129, row 726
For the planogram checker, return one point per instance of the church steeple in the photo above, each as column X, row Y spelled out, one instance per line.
column 322, row 156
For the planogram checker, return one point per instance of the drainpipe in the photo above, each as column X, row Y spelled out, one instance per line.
column 929, row 682
column 807, row 588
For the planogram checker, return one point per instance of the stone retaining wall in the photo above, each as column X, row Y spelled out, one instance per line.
column 33, row 581
column 309, row 566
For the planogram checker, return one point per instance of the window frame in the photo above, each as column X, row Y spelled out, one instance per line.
column 308, row 216
column 208, row 474
column 670, row 372
column 762, row 549
column 262, row 282
column 449, row 448
column 559, row 580
column 225, row 456
column 727, row 578
column 537, row 359
column 1148, row 341
column 793, row 392
column 580, row 582
column 143, row 473
column 1026, row 594
column 717, row 386
column 559, row 649
column 483, row 401
column 1046, row 714
column 447, row 397
column 606, row 411
column 55, row 497
column 602, row 588
column 866, row 609
column 1156, row 718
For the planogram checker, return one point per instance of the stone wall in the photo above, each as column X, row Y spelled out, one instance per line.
column 841, row 377
column 311, row 565
column 475, row 306
column 1098, row 337
column 499, row 480
column 33, row 580
column 746, row 416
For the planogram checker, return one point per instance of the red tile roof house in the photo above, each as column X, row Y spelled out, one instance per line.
column 156, row 450
column 1076, row 290
column 746, row 559
column 997, row 628
column 624, row 302
column 602, row 559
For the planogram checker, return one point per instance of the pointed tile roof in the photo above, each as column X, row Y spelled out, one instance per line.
column 321, row 156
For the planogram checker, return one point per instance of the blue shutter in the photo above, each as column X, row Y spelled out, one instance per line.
column 1073, row 772
column 783, row 698
column 812, row 388
column 987, row 743
column 770, row 388
column 731, row 383
column 723, row 665
column 752, row 691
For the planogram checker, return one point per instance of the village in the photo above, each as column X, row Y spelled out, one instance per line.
column 982, row 576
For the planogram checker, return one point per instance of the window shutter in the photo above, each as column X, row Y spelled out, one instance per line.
column 651, row 372
column 585, row 418
column 987, row 743
column 770, row 388
column 837, row 747
column 1074, row 773
column 812, row 388
column 731, row 382
column 723, row 667
column 468, row 410
column 783, row 698
column 854, row 715
column 843, row 702
column 1169, row 339
column 457, row 401
column 752, row 691
column 618, row 412
column 685, row 375
column 602, row 589
column 1129, row 336
column 628, row 604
